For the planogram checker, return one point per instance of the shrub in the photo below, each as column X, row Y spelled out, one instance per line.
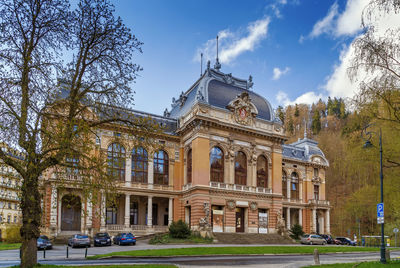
column 179, row 229
column 13, row 234
column 296, row 231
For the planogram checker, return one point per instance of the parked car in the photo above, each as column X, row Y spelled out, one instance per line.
column 79, row 240
column 312, row 239
column 329, row 239
column 346, row 241
column 124, row 239
column 43, row 242
column 102, row 239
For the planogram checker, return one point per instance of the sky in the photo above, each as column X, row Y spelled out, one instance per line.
column 297, row 51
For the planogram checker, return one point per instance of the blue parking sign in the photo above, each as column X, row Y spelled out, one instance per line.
column 379, row 209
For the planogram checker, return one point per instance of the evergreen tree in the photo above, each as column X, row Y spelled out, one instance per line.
column 290, row 126
column 316, row 123
column 281, row 115
column 296, row 111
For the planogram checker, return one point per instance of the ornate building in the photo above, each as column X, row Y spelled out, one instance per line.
column 223, row 167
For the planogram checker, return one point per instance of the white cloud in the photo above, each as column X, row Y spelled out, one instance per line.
column 233, row 44
column 325, row 25
column 278, row 72
column 306, row 98
column 349, row 22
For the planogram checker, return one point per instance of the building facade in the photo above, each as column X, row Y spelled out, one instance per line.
column 220, row 165
column 10, row 183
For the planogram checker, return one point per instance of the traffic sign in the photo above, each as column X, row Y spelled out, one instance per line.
column 379, row 209
column 381, row 220
column 395, row 230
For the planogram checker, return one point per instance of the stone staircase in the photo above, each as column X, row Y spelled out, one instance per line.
column 246, row 238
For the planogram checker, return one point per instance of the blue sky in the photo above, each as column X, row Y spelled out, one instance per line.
column 296, row 50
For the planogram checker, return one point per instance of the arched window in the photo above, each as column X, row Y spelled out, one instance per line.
column 284, row 184
column 240, row 168
column 216, row 165
column 189, row 166
column 294, row 188
column 262, row 172
column 161, row 167
column 72, row 163
column 139, row 165
column 116, row 161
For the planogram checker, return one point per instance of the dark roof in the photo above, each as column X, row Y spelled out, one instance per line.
column 220, row 94
column 302, row 150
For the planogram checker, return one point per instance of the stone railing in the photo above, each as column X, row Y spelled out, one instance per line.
column 115, row 227
column 141, row 185
column 292, row 200
column 318, row 202
column 160, row 228
column 139, row 227
column 237, row 187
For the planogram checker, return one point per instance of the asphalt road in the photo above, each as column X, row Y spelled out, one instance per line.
column 76, row 257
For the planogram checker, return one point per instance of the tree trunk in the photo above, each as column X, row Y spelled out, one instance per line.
column 31, row 216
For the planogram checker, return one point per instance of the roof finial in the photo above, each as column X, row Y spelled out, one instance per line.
column 217, row 65
column 201, row 64
column 305, row 129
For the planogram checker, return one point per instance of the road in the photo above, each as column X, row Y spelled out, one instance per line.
column 57, row 256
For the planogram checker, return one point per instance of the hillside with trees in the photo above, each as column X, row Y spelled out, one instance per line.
column 352, row 180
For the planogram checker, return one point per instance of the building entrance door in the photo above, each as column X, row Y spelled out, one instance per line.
column 71, row 213
column 239, row 220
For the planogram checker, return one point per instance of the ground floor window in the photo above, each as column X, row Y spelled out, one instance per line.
column 134, row 213
column 111, row 215
column 217, row 218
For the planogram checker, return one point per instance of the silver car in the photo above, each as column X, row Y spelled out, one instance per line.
column 79, row 240
column 312, row 239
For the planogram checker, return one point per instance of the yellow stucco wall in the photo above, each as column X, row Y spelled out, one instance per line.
column 201, row 161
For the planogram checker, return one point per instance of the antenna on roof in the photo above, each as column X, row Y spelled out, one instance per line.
column 217, row 65
column 305, row 129
column 201, row 64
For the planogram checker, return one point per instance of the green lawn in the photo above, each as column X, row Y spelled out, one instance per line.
column 5, row 246
column 234, row 251
column 395, row 263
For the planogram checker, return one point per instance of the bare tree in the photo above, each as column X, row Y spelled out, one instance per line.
column 63, row 72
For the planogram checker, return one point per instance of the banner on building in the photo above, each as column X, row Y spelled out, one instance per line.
column 218, row 221
column 262, row 223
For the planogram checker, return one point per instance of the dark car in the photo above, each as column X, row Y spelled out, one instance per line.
column 79, row 240
column 101, row 239
column 43, row 242
column 346, row 241
column 329, row 239
column 124, row 239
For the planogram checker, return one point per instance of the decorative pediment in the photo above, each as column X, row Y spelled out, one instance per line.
column 243, row 109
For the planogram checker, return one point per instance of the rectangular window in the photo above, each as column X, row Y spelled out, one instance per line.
column 316, row 173
column 316, row 192
column 111, row 215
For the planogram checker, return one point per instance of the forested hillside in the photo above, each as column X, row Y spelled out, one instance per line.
column 352, row 179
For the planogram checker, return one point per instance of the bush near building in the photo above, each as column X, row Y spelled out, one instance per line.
column 179, row 229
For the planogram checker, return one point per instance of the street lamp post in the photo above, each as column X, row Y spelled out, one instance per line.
column 366, row 145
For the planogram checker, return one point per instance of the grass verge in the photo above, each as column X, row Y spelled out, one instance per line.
column 234, row 251
column 394, row 263
column 167, row 239
column 6, row 246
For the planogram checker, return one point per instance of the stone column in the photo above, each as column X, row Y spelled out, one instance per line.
column 171, row 164
column 150, row 173
column 103, row 213
column 89, row 212
column 128, row 168
column 314, row 220
column 170, row 210
column 288, row 188
column 301, row 216
column 127, row 210
column 232, row 169
column 253, row 180
column 328, row 223
column 150, row 212
column 53, row 208
column 288, row 218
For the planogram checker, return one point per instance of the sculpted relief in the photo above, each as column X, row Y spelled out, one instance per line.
column 244, row 111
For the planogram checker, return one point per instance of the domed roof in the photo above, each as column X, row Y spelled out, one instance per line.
column 218, row 89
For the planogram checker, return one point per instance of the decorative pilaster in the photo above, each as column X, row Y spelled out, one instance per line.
column 288, row 218
column 288, row 188
column 103, row 213
column 150, row 173
column 53, row 209
column 128, row 168
column 89, row 211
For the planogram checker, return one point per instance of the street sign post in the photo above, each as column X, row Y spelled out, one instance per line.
column 395, row 231
column 380, row 213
